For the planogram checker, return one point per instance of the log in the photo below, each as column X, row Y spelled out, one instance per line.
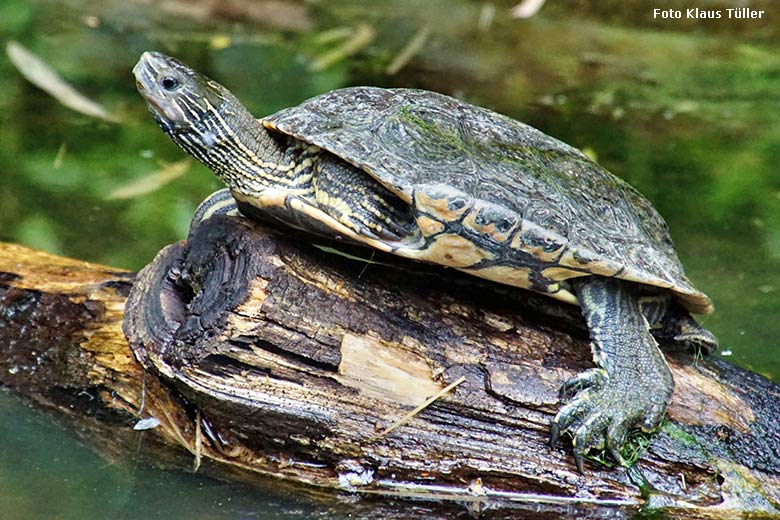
column 264, row 356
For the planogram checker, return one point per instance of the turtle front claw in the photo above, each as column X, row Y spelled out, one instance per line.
column 594, row 377
column 604, row 411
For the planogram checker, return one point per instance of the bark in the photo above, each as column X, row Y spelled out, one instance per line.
column 268, row 357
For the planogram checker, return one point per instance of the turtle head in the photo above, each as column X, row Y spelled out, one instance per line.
column 197, row 113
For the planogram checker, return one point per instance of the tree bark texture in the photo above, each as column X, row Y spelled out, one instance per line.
column 267, row 356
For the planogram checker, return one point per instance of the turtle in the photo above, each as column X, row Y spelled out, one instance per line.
column 431, row 178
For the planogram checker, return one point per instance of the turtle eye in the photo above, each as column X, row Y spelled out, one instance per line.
column 170, row 83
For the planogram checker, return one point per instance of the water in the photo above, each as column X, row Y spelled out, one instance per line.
column 686, row 112
column 45, row 473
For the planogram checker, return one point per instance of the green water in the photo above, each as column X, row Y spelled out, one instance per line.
column 46, row 474
column 687, row 112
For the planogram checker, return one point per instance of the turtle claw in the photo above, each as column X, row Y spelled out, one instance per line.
column 594, row 377
column 616, row 437
column 589, row 435
column 555, row 433
column 568, row 418
column 601, row 415
column 578, row 461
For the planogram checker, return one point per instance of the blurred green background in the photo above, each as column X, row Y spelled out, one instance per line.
column 687, row 111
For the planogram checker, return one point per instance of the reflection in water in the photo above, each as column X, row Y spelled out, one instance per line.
column 46, row 473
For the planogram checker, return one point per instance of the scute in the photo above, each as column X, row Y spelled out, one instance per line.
column 409, row 138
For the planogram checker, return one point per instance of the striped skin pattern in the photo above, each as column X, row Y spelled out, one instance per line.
column 431, row 178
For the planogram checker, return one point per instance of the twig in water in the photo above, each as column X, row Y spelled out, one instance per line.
column 364, row 35
column 414, row 46
column 40, row 74
column 527, row 8
column 198, row 442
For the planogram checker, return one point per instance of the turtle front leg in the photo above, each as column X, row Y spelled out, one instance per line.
column 632, row 384
column 221, row 202
column 358, row 201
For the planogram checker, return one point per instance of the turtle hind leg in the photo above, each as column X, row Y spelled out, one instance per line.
column 358, row 201
column 681, row 328
column 695, row 336
column 632, row 384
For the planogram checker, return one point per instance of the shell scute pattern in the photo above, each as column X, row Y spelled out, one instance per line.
column 410, row 140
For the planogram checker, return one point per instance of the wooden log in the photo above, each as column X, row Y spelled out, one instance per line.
column 269, row 357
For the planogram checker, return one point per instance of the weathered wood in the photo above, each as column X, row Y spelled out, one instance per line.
column 283, row 360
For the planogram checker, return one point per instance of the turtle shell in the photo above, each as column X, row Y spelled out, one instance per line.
column 412, row 139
